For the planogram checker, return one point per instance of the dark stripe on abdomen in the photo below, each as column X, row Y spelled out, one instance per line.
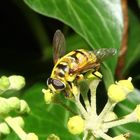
column 74, row 56
column 61, row 66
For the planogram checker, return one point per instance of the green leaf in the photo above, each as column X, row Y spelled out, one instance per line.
column 133, row 52
column 125, row 108
column 98, row 22
column 45, row 119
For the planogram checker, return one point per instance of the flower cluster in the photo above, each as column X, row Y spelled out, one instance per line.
column 14, row 82
column 90, row 123
column 8, row 105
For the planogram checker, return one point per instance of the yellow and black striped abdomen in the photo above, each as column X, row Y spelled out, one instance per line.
column 72, row 64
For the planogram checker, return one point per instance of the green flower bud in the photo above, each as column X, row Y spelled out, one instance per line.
column 24, row 108
column 53, row 137
column 14, row 102
column 16, row 82
column 4, row 107
column 31, row 136
column 4, row 129
column 4, row 84
column 76, row 125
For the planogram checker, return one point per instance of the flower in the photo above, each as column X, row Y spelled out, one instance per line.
column 4, row 83
column 118, row 92
column 126, row 84
column 16, row 82
column 75, row 125
column 53, row 137
column 31, row 136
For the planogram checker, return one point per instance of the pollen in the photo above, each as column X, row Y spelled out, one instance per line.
column 48, row 96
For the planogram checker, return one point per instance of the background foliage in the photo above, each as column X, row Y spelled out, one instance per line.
column 26, row 41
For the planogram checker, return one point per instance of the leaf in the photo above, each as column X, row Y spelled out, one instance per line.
column 98, row 22
column 133, row 53
column 45, row 119
column 125, row 108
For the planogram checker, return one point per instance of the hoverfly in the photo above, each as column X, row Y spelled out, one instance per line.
column 68, row 67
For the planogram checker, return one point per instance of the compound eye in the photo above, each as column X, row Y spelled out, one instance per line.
column 49, row 81
column 57, row 84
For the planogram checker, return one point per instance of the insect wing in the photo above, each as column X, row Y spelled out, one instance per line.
column 104, row 53
column 58, row 45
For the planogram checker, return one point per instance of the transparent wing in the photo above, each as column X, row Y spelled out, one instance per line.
column 104, row 53
column 58, row 45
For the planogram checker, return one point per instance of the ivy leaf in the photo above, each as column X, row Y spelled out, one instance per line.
column 125, row 108
column 98, row 22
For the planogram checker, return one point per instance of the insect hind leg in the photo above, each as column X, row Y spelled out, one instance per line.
column 96, row 75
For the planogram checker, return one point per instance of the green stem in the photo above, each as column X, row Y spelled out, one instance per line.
column 93, row 86
column 103, row 135
column 14, row 126
column 80, row 106
column 88, row 136
column 108, row 107
column 127, row 119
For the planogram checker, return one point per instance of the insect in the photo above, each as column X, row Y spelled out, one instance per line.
column 68, row 67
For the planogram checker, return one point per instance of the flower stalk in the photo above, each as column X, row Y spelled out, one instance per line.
column 95, row 125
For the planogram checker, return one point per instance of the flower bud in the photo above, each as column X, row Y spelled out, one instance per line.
column 75, row 125
column 48, row 96
column 4, row 107
column 24, row 108
column 126, row 84
column 16, row 82
column 19, row 121
column 119, row 91
column 31, row 136
column 115, row 93
column 4, row 84
column 14, row 102
column 53, row 137
column 4, row 129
